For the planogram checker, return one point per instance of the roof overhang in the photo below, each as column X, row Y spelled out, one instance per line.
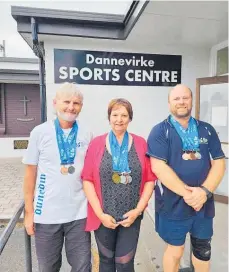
column 19, row 76
column 19, row 60
column 76, row 24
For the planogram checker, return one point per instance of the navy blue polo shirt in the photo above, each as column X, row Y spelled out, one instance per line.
column 165, row 144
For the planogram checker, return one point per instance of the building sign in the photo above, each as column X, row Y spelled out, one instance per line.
column 21, row 144
column 116, row 68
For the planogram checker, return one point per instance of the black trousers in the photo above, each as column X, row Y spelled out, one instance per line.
column 117, row 247
column 49, row 240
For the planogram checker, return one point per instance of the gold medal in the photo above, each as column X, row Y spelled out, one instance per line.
column 64, row 170
column 116, row 178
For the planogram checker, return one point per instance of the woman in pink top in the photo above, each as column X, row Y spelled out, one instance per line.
column 118, row 183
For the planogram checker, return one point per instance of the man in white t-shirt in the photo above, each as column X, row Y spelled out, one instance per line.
column 55, row 204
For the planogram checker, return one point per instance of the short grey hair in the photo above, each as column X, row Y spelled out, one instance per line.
column 69, row 89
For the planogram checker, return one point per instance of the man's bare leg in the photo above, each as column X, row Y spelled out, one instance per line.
column 200, row 266
column 171, row 259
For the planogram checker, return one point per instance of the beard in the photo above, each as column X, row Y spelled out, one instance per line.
column 182, row 115
column 66, row 117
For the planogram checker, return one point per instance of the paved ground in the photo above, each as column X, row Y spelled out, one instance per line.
column 11, row 177
column 13, row 258
column 150, row 248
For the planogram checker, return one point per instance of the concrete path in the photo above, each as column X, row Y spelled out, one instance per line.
column 13, row 258
column 11, row 178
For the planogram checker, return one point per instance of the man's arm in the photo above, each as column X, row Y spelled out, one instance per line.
column 218, row 167
column 168, row 177
column 198, row 195
column 215, row 174
column 28, row 188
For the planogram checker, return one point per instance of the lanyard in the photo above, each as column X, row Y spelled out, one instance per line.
column 66, row 145
column 119, row 153
column 189, row 136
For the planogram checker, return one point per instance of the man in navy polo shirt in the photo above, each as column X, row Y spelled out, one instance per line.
column 187, row 158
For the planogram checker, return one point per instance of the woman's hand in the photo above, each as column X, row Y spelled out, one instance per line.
column 108, row 221
column 130, row 217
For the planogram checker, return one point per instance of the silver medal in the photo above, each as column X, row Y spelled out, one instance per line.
column 185, row 156
column 129, row 179
column 71, row 169
column 198, row 155
column 123, row 179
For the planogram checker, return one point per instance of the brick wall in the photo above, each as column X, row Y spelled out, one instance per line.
column 17, row 123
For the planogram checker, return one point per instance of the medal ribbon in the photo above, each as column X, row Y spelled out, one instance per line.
column 66, row 145
column 119, row 153
column 189, row 136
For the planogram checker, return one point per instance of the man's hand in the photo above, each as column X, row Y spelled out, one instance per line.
column 108, row 221
column 130, row 217
column 196, row 199
column 29, row 223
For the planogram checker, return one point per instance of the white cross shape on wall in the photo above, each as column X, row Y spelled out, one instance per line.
column 25, row 101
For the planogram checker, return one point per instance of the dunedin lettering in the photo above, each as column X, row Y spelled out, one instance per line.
column 116, row 68
column 41, row 193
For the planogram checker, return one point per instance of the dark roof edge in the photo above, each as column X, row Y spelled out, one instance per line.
column 134, row 16
column 19, row 60
column 94, row 25
column 17, row 71
column 17, row 11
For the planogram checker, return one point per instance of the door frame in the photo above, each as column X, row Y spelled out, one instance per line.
column 209, row 81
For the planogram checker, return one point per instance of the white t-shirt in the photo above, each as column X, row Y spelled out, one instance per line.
column 58, row 198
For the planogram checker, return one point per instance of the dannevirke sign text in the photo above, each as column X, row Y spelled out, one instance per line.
column 116, row 68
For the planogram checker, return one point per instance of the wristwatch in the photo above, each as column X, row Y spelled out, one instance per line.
column 208, row 193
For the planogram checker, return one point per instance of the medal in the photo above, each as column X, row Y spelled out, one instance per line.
column 192, row 156
column 71, row 169
column 189, row 137
column 123, row 179
column 129, row 179
column 67, row 147
column 198, row 155
column 116, row 178
column 64, row 170
column 185, row 156
column 119, row 158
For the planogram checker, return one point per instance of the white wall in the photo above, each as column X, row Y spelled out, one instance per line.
column 7, row 148
column 149, row 103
